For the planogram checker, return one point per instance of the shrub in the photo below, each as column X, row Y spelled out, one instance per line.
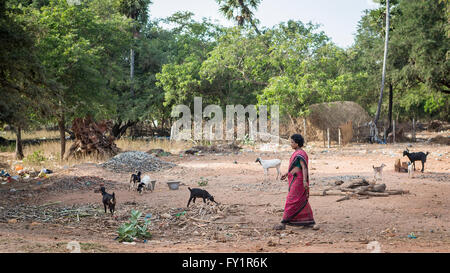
column 132, row 230
column 36, row 157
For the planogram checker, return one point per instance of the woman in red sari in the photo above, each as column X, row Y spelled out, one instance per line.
column 297, row 211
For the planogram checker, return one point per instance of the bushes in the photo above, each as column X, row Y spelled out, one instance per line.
column 132, row 230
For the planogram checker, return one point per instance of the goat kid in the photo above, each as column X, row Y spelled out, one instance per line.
column 413, row 157
column 199, row 193
column 378, row 171
column 267, row 164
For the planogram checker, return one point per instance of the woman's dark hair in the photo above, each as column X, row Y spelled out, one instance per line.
column 297, row 138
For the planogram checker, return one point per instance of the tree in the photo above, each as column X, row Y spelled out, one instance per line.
column 22, row 79
column 386, row 42
column 79, row 48
column 242, row 9
column 137, row 10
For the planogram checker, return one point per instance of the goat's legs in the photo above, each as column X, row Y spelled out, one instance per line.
column 423, row 166
column 278, row 172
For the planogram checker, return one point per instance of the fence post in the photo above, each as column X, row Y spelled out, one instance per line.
column 339, row 133
column 393, row 131
column 414, row 131
column 323, row 134
column 328, row 137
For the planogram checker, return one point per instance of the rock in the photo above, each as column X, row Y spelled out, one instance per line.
column 34, row 224
column 316, row 227
column 166, row 216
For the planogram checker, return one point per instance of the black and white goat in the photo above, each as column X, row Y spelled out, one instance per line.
column 419, row 156
column 135, row 179
column 267, row 164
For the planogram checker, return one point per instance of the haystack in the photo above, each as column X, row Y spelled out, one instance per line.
column 333, row 115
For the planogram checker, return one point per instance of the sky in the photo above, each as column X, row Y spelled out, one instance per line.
column 337, row 18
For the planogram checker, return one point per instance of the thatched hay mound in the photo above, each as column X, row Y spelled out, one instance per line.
column 332, row 115
column 444, row 140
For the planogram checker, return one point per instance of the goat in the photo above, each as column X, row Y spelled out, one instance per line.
column 196, row 192
column 135, row 178
column 419, row 156
column 410, row 170
column 379, row 171
column 267, row 164
column 145, row 183
column 108, row 200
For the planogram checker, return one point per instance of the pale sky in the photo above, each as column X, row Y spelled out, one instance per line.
column 338, row 18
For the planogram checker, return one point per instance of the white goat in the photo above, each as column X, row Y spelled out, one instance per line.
column 267, row 164
column 146, row 183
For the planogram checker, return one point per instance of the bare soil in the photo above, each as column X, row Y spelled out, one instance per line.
column 249, row 206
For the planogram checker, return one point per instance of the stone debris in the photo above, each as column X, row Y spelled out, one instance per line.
column 133, row 161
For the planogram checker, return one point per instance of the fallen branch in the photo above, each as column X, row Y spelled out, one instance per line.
column 347, row 197
column 324, row 193
column 373, row 193
column 395, row 192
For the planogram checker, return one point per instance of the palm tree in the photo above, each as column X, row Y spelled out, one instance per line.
column 243, row 8
column 377, row 116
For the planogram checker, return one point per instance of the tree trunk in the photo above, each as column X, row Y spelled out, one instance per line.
column 377, row 116
column 391, row 94
column 62, row 134
column 118, row 130
column 19, row 147
column 132, row 71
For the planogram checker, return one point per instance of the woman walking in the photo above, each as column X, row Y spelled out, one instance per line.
column 297, row 211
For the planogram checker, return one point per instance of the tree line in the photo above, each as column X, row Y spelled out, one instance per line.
column 109, row 59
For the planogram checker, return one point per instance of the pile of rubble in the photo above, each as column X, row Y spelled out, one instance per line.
column 136, row 161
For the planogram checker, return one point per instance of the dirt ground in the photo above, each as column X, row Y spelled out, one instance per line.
column 249, row 206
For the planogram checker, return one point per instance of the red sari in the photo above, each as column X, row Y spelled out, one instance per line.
column 297, row 211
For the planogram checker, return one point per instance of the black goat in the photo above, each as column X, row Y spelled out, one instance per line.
column 200, row 194
column 108, row 200
column 420, row 156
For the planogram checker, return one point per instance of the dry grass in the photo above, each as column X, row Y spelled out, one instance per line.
column 39, row 134
column 50, row 152
column 145, row 145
